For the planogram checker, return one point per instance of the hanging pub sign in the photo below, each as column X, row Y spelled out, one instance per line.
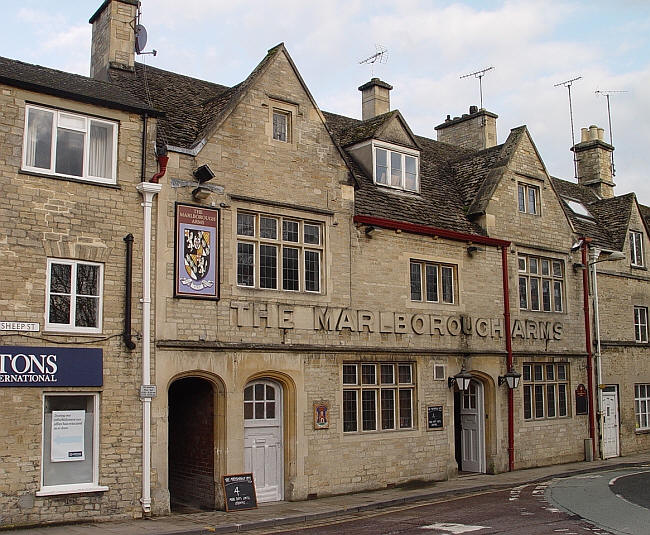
column 51, row 366
column 196, row 265
column 582, row 405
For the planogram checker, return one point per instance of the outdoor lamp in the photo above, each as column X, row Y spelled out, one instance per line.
column 462, row 379
column 511, row 378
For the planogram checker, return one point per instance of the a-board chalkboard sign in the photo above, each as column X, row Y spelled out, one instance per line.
column 434, row 417
column 239, row 490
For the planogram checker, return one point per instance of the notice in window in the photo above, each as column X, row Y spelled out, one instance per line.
column 68, row 436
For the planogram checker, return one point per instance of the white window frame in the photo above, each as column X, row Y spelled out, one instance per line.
column 376, row 387
column 71, row 327
column 72, row 488
column 642, row 406
column 87, row 120
column 279, row 243
column 440, row 267
column 403, row 152
column 636, row 248
column 524, row 188
column 641, row 324
column 526, row 273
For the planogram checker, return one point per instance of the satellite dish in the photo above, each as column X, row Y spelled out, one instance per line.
column 140, row 38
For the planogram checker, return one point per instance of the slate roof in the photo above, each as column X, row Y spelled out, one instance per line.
column 439, row 203
column 72, row 86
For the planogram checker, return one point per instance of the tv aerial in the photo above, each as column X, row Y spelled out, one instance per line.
column 479, row 74
column 140, row 35
column 607, row 93
column 380, row 56
column 568, row 84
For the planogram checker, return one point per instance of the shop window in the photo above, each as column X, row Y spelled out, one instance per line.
column 528, row 199
column 636, row 249
column 641, row 324
column 70, row 145
column 282, row 126
column 278, row 253
column 70, row 444
column 642, row 406
column 541, row 284
column 378, row 397
column 396, row 169
column 433, row 282
column 546, row 391
column 74, row 296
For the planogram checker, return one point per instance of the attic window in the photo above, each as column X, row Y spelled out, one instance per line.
column 578, row 208
column 396, row 168
column 281, row 125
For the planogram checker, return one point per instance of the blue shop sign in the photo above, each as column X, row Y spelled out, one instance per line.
column 51, row 366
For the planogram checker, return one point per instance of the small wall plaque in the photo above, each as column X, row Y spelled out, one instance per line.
column 321, row 415
column 434, row 417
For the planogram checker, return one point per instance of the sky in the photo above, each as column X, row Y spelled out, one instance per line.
column 531, row 44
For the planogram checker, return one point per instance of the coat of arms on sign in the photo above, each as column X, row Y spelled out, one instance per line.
column 196, row 251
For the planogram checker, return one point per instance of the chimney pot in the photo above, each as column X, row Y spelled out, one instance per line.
column 601, row 134
column 593, row 132
column 584, row 135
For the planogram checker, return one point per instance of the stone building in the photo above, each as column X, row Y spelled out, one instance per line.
column 70, row 163
column 321, row 289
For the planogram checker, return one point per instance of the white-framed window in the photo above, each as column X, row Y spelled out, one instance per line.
column 71, row 145
column 546, row 390
column 74, row 296
column 378, row 396
column 636, row 248
column 642, row 406
column 433, row 282
column 396, row 167
column 279, row 253
column 641, row 324
column 541, row 283
column 282, row 125
column 70, row 444
column 528, row 198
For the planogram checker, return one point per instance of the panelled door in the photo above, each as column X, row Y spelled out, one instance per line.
column 472, row 429
column 263, row 451
column 610, row 423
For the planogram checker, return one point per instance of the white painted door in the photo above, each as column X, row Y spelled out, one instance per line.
column 610, row 423
column 263, row 452
column 471, row 421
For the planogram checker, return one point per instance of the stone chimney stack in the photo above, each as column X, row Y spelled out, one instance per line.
column 375, row 98
column 113, row 42
column 594, row 158
column 476, row 130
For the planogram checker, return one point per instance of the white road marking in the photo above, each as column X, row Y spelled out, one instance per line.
column 454, row 528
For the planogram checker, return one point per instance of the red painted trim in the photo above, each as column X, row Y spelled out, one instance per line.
column 429, row 231
column 590, row 373
column 509, row 359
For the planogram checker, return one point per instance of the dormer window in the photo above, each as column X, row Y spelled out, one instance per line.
column 396, row 167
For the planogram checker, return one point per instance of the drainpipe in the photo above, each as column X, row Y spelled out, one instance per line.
column 148, row 191
column 509, row 359
column 590, row 373
column 128, row 297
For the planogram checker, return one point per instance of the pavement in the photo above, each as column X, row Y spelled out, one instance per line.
column 293, row 514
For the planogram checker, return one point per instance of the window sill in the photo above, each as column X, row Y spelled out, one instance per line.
column 642, row 431
column 72, row 333
column 68, row 179
column 638, row 268
column 70, row 489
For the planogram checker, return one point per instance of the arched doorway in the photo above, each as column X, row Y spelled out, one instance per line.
column 191, row 402
column 469, row 415
column 264, row 437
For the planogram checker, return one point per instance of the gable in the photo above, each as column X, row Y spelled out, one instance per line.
column 395, row 132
